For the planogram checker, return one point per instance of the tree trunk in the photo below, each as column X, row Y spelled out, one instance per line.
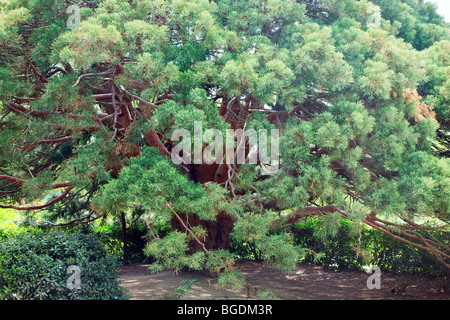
column 217, row 235
column 124, row 238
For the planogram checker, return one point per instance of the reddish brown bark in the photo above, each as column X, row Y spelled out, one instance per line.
column 48, row 204
column 218, row 231
column 154, row 141
column 204, row 172
column 12, row 179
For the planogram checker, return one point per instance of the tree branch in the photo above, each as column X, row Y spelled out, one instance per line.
column 409, row 236
column 35, row 70
column 306, row 212
column 12, row 179
column 19, row 109
column 426, row 245
column 55, row 140
column 73, row 223
column 48, row 204
column 186, row 227
column 153, row 141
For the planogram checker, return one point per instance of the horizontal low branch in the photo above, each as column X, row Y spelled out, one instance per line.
column 48, row 204
column 20, row 181
column 403, row 236
column 307, row 212
column 408, row 236
column 73, row 223
column 12, row 179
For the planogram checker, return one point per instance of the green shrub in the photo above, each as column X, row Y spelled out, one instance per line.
column 335, row 252
column 244, row 251
column 35, row 267
column 110, row 233
column 8, row 226
column 399, row 258
column 376, row 248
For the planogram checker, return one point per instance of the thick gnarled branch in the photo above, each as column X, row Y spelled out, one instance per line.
column 407, row 234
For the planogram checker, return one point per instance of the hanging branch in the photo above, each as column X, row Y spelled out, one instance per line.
column 17, row 181
column 403, row 236
column 409, row 236
column 186, row 228
column 48, row 204
column 13, row 180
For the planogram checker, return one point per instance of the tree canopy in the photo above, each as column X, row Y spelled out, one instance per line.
column 359, row 91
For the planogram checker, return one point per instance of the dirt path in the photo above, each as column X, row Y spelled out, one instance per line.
column 308, row 282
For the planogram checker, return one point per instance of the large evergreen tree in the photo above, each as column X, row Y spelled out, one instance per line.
column 359, row 91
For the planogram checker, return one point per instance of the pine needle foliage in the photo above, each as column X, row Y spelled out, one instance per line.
column 359, row 91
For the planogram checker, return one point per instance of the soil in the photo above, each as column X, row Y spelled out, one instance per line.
column 307, row 282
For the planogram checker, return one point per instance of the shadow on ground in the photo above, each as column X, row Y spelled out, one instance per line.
column 307, row 282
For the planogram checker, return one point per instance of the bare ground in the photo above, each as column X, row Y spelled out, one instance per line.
column 307, row 282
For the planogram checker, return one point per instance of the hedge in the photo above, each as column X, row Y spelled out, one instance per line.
column 35, row 267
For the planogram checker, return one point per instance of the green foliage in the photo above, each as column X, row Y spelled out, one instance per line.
column 171, row 252
column 104, row 44
column 231, row 279
column 9, row 227
column 362, row 113
column 353, row 247
column 14, row 223
column 110, row 235
column 251, row 228
column 281, row 250
column 34, row 267
column 415, row 21
column 336, row 249
column 401, row 259
column 153, row 174
column 253, row 231
column 328, row 226
column 184, row 288
column 267, row 295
